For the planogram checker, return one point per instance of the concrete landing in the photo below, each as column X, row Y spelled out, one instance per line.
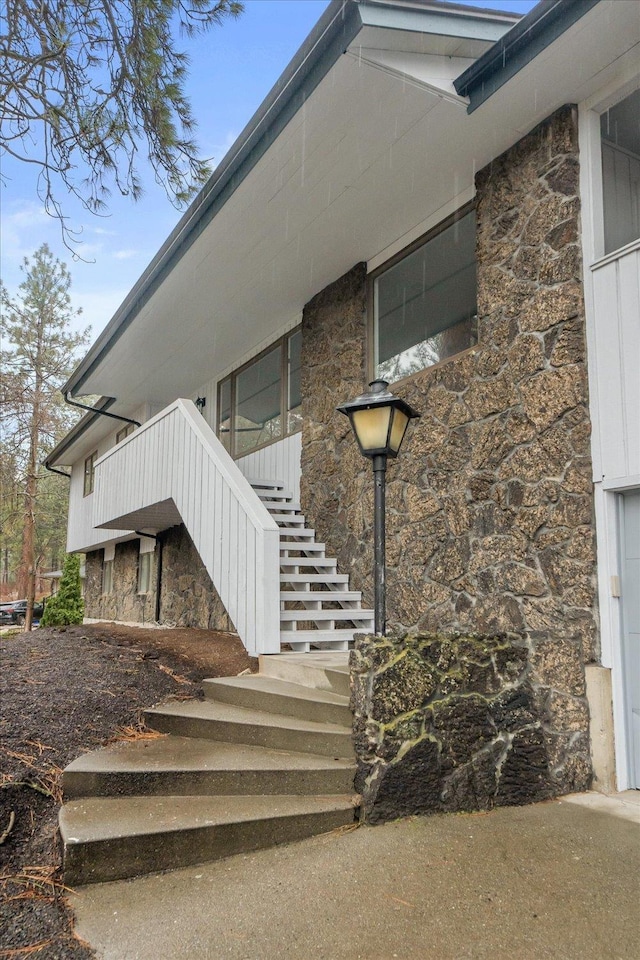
column 554, row 881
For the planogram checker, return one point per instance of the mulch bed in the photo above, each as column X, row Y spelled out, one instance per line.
column 63, row 692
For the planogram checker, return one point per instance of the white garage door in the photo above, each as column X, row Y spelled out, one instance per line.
column 630, row 529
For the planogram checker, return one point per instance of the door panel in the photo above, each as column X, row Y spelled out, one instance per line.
column 630, row 568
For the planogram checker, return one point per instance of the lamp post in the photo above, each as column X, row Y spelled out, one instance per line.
column 379, row 421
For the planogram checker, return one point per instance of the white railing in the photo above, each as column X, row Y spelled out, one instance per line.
column 175, row 460
column 613, row 365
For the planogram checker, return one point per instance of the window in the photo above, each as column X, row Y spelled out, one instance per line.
column 107, row 576
column 261, row 402
column 89, row 473
column 424, row 303
column 124, row 433
column 144, row 572
column 620, row 135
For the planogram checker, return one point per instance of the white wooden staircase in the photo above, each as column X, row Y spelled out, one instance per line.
column 317, row 609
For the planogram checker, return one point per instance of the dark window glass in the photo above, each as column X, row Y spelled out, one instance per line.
column 262, row 401
column 258, row 410
column 425, row 305
column 620, row 132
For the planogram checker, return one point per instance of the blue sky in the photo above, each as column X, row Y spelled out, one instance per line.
column 232, row 70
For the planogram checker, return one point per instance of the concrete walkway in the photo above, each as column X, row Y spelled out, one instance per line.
column 558, row 880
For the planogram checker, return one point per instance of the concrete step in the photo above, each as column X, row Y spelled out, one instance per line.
column 182, row 766
column 320, row 671
column 279, row 696
column 208, row 720
column 335, row 596
column 110, row 839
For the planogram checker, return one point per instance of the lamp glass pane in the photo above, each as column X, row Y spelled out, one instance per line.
column 398, row 429
column 372, row 427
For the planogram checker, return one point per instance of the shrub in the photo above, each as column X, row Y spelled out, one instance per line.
column 67, row 606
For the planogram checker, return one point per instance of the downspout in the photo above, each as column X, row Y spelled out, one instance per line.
column 158, row 540
column 54, row 470
column 160, row 543
column 102, row 413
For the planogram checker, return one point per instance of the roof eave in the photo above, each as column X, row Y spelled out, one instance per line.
column 528, row 38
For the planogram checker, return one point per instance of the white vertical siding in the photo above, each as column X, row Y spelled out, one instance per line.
column 615, row 363
column 176, row 458
column 279, row 461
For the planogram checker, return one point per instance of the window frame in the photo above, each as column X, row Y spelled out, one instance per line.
column 107, row 577
column 283, row 343
column 125, row 432
column 144, row 561
column 370, row 346
column 89, row 476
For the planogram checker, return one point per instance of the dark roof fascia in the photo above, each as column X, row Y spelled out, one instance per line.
column 328, row 40
column 77, row 431
column 533, row 34
column 445, row 19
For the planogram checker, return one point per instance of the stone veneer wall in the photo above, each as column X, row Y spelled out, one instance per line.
column 124, row 602
column 188, row 597
column 449, row 723
column 490, row 515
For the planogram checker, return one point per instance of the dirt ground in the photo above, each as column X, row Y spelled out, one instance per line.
column 63, row 692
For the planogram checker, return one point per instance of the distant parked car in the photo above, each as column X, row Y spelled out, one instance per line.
column 16, row 612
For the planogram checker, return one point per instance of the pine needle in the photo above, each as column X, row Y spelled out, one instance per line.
column 174, row 676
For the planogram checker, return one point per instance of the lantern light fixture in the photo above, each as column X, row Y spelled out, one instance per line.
column 379, row 421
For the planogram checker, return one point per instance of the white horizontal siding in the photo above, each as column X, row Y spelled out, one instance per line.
column 279, row 461
column 177, row 458
column 615, row 362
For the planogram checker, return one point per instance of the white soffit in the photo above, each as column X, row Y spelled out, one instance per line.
column 369, row 157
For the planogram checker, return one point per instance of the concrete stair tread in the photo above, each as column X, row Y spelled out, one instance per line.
column 175, row 753
column 211, row 710
column 105, row 818
column 276, row 686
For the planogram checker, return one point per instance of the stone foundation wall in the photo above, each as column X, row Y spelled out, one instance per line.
column 450, row 723
column 188, row 597
column 124, row 602
column 490, row 524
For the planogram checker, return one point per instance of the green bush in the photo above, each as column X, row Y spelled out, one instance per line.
column 67, row 606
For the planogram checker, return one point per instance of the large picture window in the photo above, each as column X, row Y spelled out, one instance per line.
column 424, row 303
column 261, row 402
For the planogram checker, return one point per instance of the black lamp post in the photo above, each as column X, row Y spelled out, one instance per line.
column 379, row 421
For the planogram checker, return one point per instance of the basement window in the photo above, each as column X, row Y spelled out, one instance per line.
column 424, row 301
column 261, row 402
column 89, row 473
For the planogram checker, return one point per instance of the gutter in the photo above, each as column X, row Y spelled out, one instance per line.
column 77, row 431
column 103, row 413
column 528, row 38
